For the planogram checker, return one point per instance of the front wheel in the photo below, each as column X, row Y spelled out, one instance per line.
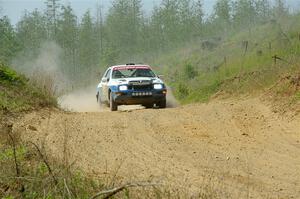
column 100, row 102
column 147, row 106
column 162, row 104
column 112, row 103
column 98, row 99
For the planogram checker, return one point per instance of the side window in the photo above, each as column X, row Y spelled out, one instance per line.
column 107, row 75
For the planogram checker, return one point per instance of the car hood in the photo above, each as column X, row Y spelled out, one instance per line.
column 127, row 80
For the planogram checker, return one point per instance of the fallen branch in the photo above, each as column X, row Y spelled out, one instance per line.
column 114, row 191
column 68, row 190
column 275, row 57
column 46, row 162
column 13, row 143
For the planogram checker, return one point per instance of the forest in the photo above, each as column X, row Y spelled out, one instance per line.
column 85, row 46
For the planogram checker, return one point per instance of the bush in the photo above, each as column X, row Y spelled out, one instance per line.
column 182, row 91
column 189, row 71
column 18, row 94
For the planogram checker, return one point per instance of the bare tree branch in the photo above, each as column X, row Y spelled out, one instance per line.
column 114, row 191
column 68, row 190
column 46, row 162
column 13, row 143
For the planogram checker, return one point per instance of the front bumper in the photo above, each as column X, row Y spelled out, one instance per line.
column 139, row 97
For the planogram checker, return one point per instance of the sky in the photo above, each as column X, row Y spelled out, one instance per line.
column 14, row 9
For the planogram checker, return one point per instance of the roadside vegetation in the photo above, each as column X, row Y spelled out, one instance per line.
column 19, row 94
column 263, row 59
column 242, row 47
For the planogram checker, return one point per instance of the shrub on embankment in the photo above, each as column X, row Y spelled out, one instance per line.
column 18, row 94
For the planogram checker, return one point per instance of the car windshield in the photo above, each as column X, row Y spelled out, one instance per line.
column 132, row 72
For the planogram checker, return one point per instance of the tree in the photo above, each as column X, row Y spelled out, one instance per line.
column 156, row 30
column 1, row 8
column 100, row 28
column 8, row 43
column 280, row 9
column 124, row 24
column 187, row 20
column 222, row 14
column 67, row 37
column 136, row 22
column 52, row 7
column 168, row 20
column 244, row 13
column 32, row 31
column 88, row 58
column 198, row 15
column 222, row 11
column 263, row 9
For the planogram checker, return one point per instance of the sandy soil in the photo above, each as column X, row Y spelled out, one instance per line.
column 236, row 147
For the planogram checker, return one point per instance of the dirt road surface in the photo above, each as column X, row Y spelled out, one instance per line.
column 239, row 147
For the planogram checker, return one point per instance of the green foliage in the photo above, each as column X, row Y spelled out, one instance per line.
column 18, row 94
column 29, row 40
column 9, row 76
column 234, row 67
column 8, row 40
column 222, row 10
column 297, row 96
column 181, row 91
column 8, row 154
column 8, row 197
column 35, row 178
column 189, row 71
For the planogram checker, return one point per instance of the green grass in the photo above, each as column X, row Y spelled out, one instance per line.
column 34, row 179
column 297, row 96
column 229, row 67
column 18, row 94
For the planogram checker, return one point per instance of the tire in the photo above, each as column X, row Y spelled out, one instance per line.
column 112, row 103
column 98, row 99
column 148, row 106
column 162, row 104
column 100, row 103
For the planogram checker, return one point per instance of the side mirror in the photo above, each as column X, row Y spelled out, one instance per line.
column 104, row 79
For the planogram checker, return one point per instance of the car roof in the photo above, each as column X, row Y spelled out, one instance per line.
column 129, row 66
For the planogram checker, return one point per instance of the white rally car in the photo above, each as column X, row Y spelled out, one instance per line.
column 131, row 84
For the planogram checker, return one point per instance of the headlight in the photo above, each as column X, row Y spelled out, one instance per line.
column 158, row 86
column 123, row 88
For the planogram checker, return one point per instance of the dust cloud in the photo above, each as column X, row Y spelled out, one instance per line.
column 171, row 100
column 43, row 68
column 83, row 100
